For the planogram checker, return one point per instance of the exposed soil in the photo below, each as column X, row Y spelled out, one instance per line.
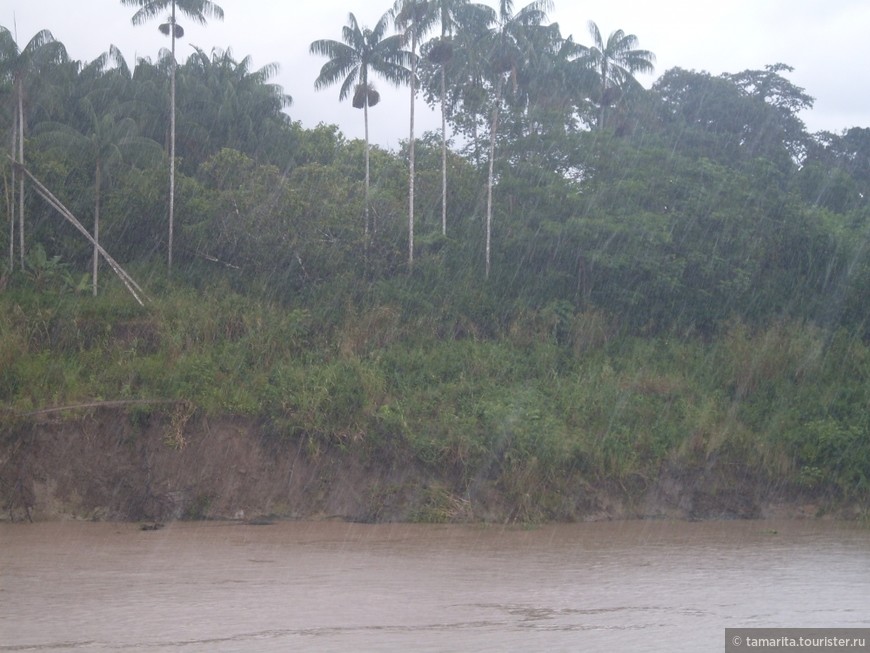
column 110, row 464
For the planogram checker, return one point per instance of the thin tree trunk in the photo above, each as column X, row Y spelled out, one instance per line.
column 11, row 199
column 9, row 194
column 443, row 152
column 489, row 202
column 489, row 182
column 366, row 120
column 411, row 153
column 97, row 226
column 172, row 143
column 21, row 180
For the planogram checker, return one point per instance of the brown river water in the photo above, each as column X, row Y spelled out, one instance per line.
column 329, row 586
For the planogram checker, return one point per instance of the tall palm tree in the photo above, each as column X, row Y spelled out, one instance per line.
column 360, row 52
column 449, row 14
column 463, row 60
column 508, row 51
column 615, row 62
column 413, row 18
column 21, row 66
column 198, row 11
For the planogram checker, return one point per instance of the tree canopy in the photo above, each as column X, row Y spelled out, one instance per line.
column 683, row 205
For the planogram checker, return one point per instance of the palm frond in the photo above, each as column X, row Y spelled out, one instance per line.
column 196, row 10
column 595, row 33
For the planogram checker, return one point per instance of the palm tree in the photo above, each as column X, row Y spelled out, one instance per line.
column 360, row 52
column 615, row 62
column 460, row 82
column 150, row 84
column 449, row 14
column 21, row 67
column 507, row 52
column 105, row 142
column 414, row 18
column 230, row 101
column 198, row 11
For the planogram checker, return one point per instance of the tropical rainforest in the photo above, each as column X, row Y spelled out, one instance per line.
column 579, row 282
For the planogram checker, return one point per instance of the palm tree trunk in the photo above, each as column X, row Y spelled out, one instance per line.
column 366, row 120
column 172, row 143
column 489, row 181
column 10, row 209
column 411, row 154
column 443, row 152
column 98, row 183
column 21, row 180
column 11, row 197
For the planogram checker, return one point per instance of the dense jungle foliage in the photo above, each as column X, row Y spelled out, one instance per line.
column 679, row 275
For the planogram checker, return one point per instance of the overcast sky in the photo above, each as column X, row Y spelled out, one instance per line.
column 826, row 41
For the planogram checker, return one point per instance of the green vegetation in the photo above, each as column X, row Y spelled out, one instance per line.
column 617, row 282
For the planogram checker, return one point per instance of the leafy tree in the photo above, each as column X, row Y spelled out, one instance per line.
column 836, row 170
column 362, row 51
column 198, row 11
column 701, row 114
column 779, row 102
column 246, row 223
column 734, row 118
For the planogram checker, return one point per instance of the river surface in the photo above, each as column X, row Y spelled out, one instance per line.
column 328, row 586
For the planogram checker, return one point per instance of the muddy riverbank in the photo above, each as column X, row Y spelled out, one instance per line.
column 110, row 464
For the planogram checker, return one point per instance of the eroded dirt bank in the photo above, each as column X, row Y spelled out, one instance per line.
column 105, row 465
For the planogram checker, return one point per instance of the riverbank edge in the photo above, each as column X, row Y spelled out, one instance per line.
column 109, row 465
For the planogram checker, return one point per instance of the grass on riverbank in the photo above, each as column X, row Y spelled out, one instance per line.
column 530, row 399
